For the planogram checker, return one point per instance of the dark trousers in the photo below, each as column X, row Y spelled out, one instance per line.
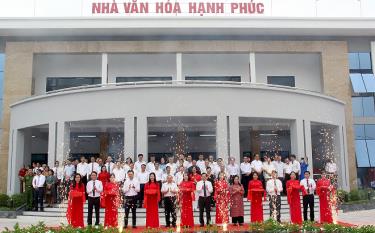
column 130, row 203
column 275, row 206
column 286, row 178
column 245, row 182
column 282, row 182
column 170, row 210
column 38, row 198
column 204, row 205
column 308, row 201
column 141, row 195
column 231, row 179
column 238, row 220
column 93, row 202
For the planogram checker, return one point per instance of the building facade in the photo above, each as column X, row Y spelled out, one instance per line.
column 230, row 81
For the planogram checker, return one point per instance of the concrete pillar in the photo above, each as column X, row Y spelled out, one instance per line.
column 142, row 138
column 234, row 138
column 308, row 145
column 341, row 157
column 16, row 159
column 129, row 136
column 62, row 141
column 52, row 140
column 104, row 68
column 222, row 138
column 253, row 78
column 297, row 139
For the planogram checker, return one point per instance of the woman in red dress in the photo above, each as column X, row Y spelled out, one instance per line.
column 195, row 178
column 236, row 191
column 104, row 178
column 221, row 197
column 76, row 200
column 324, row 190
column 187, row 189
column 255, row 195
column 112, row 202
column 151, row 199
column 293, row 188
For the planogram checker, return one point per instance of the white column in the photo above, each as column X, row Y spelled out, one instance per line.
column 104, row 68
column 142, row 137
column 52, row 143
column 222, row 138
column 179, row 67
column 308, row 145
column 129, row 148
column 15, row 160
column 297, row 138
column 253, row 78
column 63, row 141
column 234, row 138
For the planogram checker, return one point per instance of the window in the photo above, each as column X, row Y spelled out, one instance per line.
column 370, row 132
column 357, row 106
column 57, row 83
column 371, row 151
column 214, row 78
column 359, row 131
column 360, row 63
column 368, row 106
column 361, row 153
column 353, row 61
column 281, row 80
column 141, row 79
column 369, row 81
column 364, row 61
column 357, row 83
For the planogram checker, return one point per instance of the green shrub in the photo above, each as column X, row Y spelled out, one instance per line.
column 354, row 195
column 18, row 199
column 4, row 200
column 343, row 196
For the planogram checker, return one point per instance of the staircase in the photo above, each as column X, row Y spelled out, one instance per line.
column 56, row 215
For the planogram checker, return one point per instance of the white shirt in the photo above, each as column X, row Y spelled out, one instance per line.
column 233, row 169
column 173, row 167
column 38, row 181
column 158, row 174
column 270, row 187
column 267, row 169
column 165, row 176
column 138, row 165
column 245, row 168
column 69, row 170
column 119, row 174
column 109, row 167
column 179, row 177
column 131, row 187
column 90, row 187
column 142, row 177
column 82, row 169
column 257, row 165
column 200, row 190
column 296, row 167
column 169, row 187
column 59, row 172
column 150, row 167
column 201, row 165
column 93, row 167
column 331, row 168
column 126, row 169
column 279, row 166
column 310, row 188
column 287, row 168
column 188, row 164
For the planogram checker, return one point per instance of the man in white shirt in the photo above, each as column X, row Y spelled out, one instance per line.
column 279, row 167
column 109, row 165
column 93, row 166
column 204, row 190
column 245, row 174
column 274, row 188
column 179, row 175
column 233, row 169
column 256, row 166
column 142, row 177
column 267, row 168
column 94, row 188
column 201, row 164
column 169, row 191
column 119, row 173
column 172, row 165
column 38, row 185
column 150, row 167
column 296, row 166
column 131, row 189
column 189, row 161
column 69, row 170
column 168, row 171
column 138, row 163
column 82, row 169
column 308, row 198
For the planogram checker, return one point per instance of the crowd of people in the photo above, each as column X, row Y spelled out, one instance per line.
column 179, row 183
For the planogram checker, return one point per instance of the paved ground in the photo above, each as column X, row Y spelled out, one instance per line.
column 365, row 217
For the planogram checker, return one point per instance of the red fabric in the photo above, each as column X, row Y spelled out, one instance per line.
column 151, row 199
column 323, row 190
column 22, row 172
column 76, row 199
column 255, row 195
column 112, row 202
column 236, row 201
column 195, row 178
column 186, row 197
column 221, row 197
column 104, row 178
column 293, row 188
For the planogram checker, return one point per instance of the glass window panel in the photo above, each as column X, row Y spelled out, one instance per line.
column 361, row 153
column 1, row 84
column 368, row 106
column 371, row 151
column 214, row 78
column 357, row 106
column 364, row 61
column 2, row 61
column 141, row 79
column 353, row 61
column 370, row 132
column 369, row 81
column 61, row 83
column 357, row 83
column 282, row 80
column 359, row 131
